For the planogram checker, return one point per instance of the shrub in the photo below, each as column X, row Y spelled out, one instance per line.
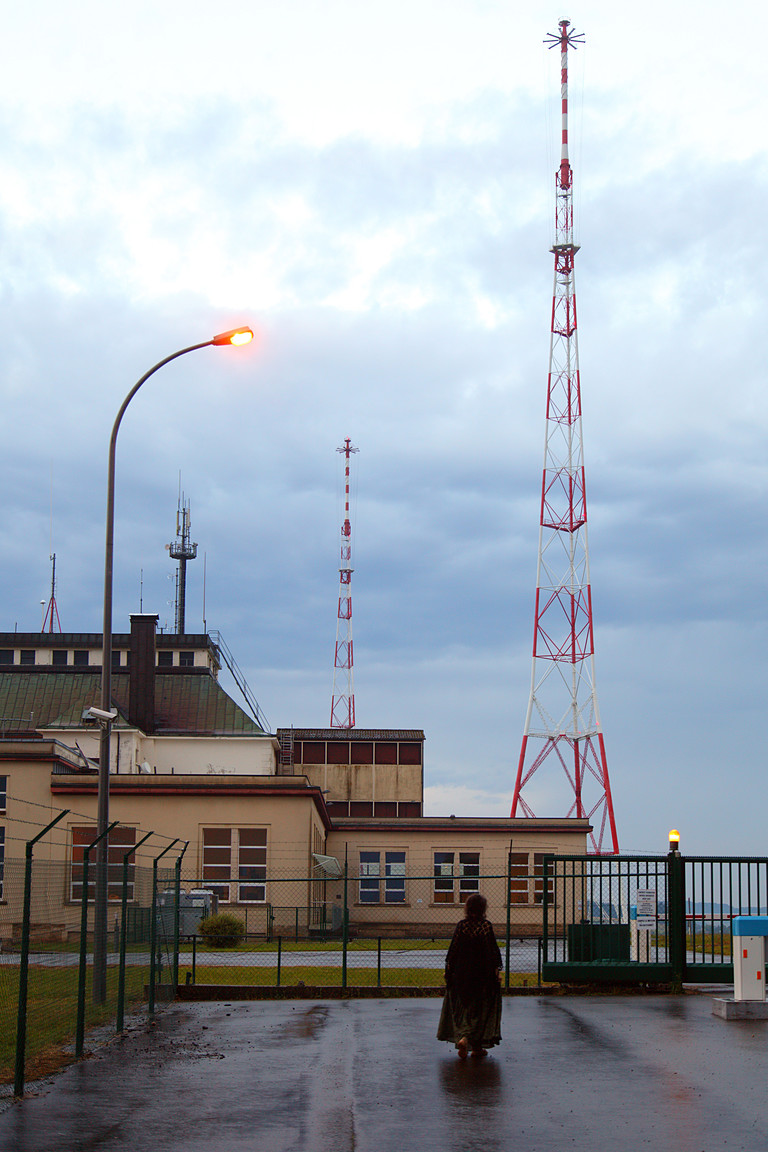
column 222, row 931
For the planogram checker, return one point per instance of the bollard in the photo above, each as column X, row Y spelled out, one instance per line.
column 748, row 951
column 748, row 942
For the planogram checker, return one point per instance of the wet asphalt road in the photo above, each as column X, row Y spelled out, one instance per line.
column 586, row 1073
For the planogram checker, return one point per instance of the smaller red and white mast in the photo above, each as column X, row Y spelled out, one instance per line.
column 343, row 701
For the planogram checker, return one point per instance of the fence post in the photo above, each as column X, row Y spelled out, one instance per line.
column 176, row 917
column 124, row 932
column 153, row 928
column 378, row 964
column 279, row 958
column 545, row 911
column 80, row 1028
column 344, row 930
column 194, row 958
column 509, row 912
column 676, row 917
column 21, row 1021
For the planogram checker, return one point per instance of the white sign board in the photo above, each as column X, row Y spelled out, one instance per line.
column 646, row 909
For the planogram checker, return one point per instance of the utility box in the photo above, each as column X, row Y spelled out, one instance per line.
column 194, row 906
column 748, row 944
column 205, row 902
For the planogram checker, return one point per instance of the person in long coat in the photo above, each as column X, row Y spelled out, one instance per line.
column 471, row 1014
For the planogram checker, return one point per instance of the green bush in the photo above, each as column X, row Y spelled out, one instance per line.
column 222, row 931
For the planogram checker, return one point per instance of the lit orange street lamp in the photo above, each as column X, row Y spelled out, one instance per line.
column 105, row 717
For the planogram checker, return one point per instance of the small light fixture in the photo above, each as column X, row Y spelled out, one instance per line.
column 234, row 336
column 674, row 841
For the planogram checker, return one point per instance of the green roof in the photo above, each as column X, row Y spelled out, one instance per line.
column 188, row 703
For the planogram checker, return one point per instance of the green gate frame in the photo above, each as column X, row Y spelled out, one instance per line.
column 742, row 880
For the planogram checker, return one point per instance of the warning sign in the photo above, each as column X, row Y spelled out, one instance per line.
column 646, row 909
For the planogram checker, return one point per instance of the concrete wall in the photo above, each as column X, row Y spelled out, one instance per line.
column 367, row 781
column 183, row 755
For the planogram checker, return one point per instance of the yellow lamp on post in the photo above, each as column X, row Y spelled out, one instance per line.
column 674, row 842
column 234, row 336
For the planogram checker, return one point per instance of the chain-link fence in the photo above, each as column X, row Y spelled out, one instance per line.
column 359, row 929
column 56, row 983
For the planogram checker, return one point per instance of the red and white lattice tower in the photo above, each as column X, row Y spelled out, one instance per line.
column 562, row 724
column 343, row 701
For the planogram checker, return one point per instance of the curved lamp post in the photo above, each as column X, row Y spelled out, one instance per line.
column 235, row 336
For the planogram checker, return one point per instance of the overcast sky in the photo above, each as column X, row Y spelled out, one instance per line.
column 370, row 185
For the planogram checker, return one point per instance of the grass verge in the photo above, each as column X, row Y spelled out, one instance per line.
column 52, row 1014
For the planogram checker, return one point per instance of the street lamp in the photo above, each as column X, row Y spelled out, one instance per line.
column 235, row 336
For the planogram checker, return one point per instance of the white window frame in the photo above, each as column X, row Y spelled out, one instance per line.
column 235, row 887
column 370, row 876
column 119, row 841
column 466, row 871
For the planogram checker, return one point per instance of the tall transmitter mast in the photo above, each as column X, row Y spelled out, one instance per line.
column 343, row 701
column 562, row 723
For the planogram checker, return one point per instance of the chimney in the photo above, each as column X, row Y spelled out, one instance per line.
column 141, row 699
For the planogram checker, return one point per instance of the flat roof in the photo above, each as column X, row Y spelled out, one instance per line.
column 461, row 824
column 343, row 734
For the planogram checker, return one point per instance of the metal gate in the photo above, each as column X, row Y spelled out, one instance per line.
column 647, row 919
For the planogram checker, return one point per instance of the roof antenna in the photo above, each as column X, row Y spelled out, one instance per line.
column 52, row 612
column 182, row 549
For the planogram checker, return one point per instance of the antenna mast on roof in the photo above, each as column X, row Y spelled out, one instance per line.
column 52, row 612
column 343, row 701
column 182, row 549
column 562, row 724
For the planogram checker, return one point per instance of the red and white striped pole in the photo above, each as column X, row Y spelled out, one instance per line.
column 343, row 699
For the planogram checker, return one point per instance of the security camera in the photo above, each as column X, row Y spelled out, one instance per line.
column 99, row 714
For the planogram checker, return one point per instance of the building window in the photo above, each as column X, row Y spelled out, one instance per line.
column 538, row 879
column 3, row 792
column 80, row 659
column 6, row 655
column 59, row 657
column 526, row 882
column 27, row 656
column 252, row 865
column 371, row 878
column 313, row 752
column 235, row 864
column 165, row 659
column 518, row 878
column 186, row 659
column 119, row 841
column 116, row 660
column 449, row 870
